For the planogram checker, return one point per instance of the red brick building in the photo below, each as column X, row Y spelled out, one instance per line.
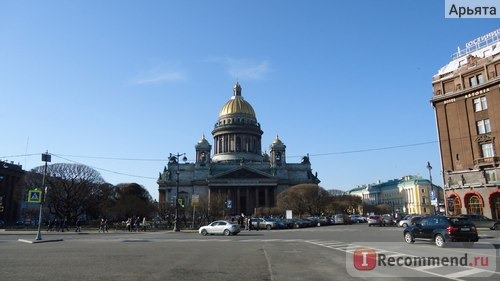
column 466, row 101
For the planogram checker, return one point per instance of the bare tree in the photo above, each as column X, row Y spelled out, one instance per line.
column 304, row 199
column 73, row 189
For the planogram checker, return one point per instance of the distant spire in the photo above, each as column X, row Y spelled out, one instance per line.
column 237, row 89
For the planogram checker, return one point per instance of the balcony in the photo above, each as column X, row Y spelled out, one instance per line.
column 487, row 161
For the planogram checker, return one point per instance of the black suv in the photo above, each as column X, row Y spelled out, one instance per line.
column 442, row 230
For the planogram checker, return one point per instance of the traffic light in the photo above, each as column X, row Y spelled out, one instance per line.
column 180, row 201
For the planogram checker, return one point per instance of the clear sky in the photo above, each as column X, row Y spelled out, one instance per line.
column 118, row 85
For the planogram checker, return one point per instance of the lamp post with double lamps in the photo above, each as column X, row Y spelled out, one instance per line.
column 174, row 159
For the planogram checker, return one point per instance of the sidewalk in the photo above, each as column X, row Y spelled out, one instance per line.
column 85, row 232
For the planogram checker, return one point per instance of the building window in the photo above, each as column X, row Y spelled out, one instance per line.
column 476, row 80
column 487, row 149
column 454, row 208
column 483, row 126
column 490, row 175
column 475, row 205
column 480, row 104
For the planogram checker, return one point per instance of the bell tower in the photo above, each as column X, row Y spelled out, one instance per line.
column 203, row 150
column 277, row 150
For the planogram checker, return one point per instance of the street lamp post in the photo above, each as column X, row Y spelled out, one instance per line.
column 46, row 158
column 429, row 167
column 174, row 159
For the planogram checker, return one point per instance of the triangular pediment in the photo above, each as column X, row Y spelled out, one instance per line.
column 242, row 173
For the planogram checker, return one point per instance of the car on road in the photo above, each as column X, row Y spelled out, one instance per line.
column 261, row 223
column 442, row 230
column 220, row 227
column 408, row 220
column 482, row 221
column 375, row 220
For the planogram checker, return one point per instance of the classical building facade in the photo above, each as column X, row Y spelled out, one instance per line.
column 408, row 195
column 466, row 101
column 234, row 167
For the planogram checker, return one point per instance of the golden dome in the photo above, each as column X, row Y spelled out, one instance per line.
column 237, row 105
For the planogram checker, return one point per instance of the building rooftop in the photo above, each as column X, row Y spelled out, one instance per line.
column 481, row 47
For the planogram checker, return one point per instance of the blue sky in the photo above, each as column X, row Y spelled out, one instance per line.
column 118, row 85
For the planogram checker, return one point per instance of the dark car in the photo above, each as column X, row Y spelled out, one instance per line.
column 442, row 230
column 483, row 222
column 388, row 220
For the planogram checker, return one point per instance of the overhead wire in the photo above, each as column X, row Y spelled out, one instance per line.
column 64, row 157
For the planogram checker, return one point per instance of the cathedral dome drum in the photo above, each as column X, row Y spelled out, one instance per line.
column 237, row 134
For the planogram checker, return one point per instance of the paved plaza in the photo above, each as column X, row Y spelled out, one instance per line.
column 304, row 254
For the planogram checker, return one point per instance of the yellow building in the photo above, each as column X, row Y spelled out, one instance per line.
column 408, row 195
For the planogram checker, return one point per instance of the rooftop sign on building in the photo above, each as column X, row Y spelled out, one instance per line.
column 478, row 43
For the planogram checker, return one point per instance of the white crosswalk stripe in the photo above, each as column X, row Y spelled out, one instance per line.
column 464, row 271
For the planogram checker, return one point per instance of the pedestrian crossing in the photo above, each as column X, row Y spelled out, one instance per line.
column 435, row 270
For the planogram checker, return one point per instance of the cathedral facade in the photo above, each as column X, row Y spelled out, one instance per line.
column 234, row 167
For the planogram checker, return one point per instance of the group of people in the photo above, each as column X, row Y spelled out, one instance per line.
column 245, row 221
column 135, row 224
column 57, row 225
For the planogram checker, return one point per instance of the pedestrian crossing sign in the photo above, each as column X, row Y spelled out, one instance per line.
column 35, row 196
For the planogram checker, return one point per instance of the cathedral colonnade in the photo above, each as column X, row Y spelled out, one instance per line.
column 242, row 199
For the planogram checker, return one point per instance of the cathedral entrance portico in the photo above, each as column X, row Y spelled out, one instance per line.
column 238, row 200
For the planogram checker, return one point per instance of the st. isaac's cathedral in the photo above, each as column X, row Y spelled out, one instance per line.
column 236, row 169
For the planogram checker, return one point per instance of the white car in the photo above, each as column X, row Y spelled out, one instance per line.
column 220, row 227
column 407, row 221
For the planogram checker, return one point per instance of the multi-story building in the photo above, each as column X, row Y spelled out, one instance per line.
column 410, row 194
column 466, row 101
column 10, row 176
column 237, row 171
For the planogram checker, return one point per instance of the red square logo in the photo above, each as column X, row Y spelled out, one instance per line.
column 365, row 259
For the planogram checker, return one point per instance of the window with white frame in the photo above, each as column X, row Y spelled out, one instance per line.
column 483, row 126
column 476, row 80
column 487, row 149
column 480, row 104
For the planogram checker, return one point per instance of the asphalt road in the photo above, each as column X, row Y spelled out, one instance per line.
column 322, row 253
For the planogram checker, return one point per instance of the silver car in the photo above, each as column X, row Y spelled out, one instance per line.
column 220, row 227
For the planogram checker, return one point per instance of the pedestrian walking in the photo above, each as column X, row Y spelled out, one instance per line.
column 78, row 225
column 129, row 224
column 144, row 224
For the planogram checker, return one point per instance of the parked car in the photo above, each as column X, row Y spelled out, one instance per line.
column 408, row 220
column 261, row 223
column 442, row 230
column 483, row 222
column 325, row 220
column 375, row 220
column 357, row 219
column 341, row 219
column 280, row 224
column 388, row 220
column 220, row 227
column 296, row 223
